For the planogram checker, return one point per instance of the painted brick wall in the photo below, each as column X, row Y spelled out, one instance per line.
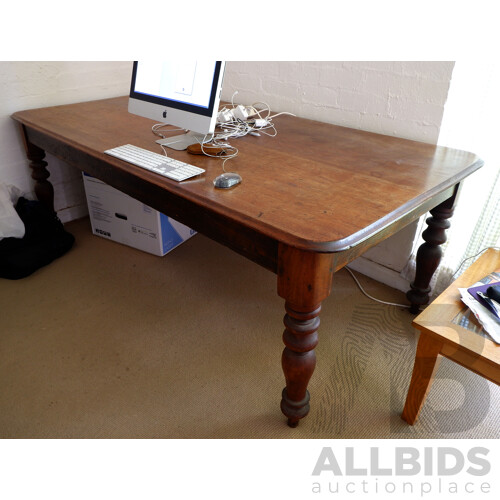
column 25, row 85
column 404, row 99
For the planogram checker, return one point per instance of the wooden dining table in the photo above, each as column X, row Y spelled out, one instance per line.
column 312, row 199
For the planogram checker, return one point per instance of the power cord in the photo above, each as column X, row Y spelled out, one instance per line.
column 406, row 306
column 158, row 126
column 469, row 258
column 232, row 122
column 240, row 120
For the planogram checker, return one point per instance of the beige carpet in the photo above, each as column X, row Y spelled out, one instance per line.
column 111, row 342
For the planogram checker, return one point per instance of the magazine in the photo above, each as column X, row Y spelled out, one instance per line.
column 487, row 320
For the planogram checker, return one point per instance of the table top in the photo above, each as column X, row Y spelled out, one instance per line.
column 315, row 186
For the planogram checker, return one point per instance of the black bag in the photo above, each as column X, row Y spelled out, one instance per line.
column 45, row 239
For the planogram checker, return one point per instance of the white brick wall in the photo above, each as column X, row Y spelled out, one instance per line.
column 404, row 99
column 25, row 85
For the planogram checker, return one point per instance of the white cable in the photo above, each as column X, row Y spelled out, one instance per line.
column 406, row 306
column 468, row 258
column 257, row 111
column 230, row 129
column 282, row 113
column 156, row 127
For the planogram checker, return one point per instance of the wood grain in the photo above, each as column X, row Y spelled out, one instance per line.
column 314, row 186
column 426, row 363
column 435, row 320
column 440, row 336
column 304, row 280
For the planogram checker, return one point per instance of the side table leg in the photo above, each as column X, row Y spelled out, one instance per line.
column 429, row 254
column 426, row 363
column 304, row 280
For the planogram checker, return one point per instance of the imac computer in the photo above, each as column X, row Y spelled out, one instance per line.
column 185, row 94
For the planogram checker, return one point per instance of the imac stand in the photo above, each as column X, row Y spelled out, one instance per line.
column 181, row 142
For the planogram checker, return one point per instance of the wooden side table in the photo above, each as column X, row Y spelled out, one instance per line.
column 447, row 328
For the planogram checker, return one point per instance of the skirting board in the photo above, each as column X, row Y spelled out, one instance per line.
column 72, row 213
column 380, row 273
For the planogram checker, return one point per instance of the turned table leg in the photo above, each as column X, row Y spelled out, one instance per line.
column 429, row 254
column 298, row 360
column 304, row 280
column 44, row 190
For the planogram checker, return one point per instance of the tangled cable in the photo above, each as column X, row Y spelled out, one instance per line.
column 233, row 122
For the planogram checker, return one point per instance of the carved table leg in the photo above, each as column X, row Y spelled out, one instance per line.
column 44, row 190
column 304, row 280
column 429, row 254
column 298, row 360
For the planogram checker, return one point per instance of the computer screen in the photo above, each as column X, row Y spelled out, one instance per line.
column 185, row 94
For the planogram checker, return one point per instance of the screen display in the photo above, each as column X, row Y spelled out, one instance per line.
column 188, row 82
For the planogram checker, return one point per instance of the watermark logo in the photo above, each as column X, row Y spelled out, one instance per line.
column 382, row 338
column 415, row 471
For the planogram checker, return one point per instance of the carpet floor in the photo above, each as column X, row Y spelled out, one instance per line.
column 111, row 342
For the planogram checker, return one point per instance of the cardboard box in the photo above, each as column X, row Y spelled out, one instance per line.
column 119, row 217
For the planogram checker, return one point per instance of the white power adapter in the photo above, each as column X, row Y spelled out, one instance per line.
column 260, row 122
column 240, row 112
column 225, row 116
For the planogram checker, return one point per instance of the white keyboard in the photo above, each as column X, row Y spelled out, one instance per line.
column 163, row 165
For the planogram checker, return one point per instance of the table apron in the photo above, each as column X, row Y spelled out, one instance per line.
column 344, row 257
column 242, row 239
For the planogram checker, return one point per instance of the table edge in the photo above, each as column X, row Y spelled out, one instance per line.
column 332, row 246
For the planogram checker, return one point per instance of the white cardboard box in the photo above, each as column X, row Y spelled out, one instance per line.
column 116, row 216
